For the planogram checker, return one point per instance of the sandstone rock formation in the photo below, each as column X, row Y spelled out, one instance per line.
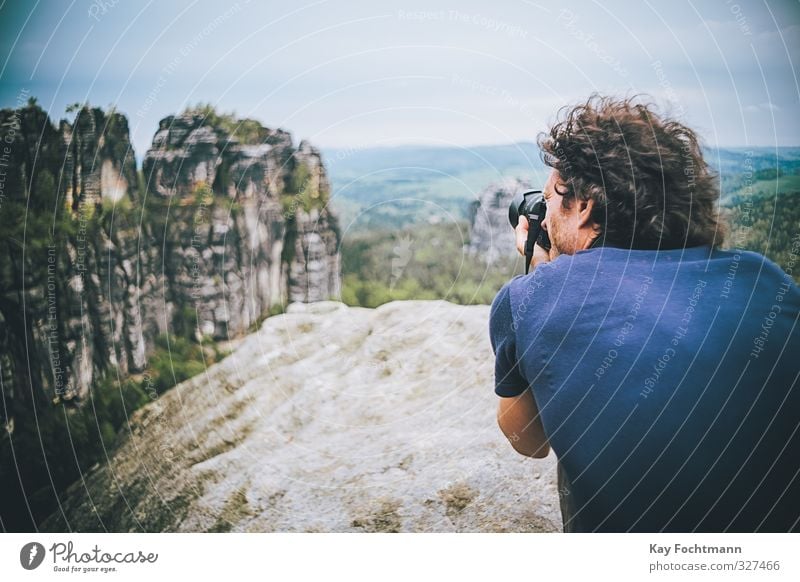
column 491, row 236
column 98, row 158
column 247, row 224
column 77, row 292
column 232, row 221
column 328, row 419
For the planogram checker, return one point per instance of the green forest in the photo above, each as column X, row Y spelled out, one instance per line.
column 418, row 262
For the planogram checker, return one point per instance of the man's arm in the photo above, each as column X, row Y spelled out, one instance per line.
column 518, row 417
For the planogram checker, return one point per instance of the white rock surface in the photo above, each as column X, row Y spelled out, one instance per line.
column 332, row 419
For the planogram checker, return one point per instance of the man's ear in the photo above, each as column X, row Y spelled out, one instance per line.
column 585, row 208
column 586, row 224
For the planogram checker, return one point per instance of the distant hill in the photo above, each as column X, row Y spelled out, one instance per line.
column 767, row 223
column 392, row 187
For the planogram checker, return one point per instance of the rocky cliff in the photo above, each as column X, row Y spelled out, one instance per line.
column 231, row 220
column 75, row 282
column 98, row 158
column 246, row 225
column 491, row 235
column 328, row 419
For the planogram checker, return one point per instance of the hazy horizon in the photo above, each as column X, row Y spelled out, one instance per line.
column 358, row 75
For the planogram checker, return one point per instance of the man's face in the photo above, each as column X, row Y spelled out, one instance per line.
column 560, row 223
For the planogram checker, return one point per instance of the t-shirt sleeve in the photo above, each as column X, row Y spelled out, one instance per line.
column 508, row 380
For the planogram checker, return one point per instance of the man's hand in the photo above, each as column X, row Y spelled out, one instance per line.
column 540, row 255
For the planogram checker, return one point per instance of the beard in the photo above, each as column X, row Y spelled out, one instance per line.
column 562, row 243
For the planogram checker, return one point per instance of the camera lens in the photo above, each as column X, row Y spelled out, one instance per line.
column 530, row 204
column 514, row 209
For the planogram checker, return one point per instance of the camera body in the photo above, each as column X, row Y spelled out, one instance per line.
column 532, row 206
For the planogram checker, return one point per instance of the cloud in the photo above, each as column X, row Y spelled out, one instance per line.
column 761, row 107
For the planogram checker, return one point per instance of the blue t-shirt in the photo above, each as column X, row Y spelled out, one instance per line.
column 667, row 385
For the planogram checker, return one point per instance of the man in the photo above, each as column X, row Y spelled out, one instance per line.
column 662, row 371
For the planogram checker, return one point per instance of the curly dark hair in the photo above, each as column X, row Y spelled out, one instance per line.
column 651, row 186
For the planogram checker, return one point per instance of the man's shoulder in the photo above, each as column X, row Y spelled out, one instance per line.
column 758, row 270
column 753, row 259
column 545, row 284
column 556, row 272
column 572, row 275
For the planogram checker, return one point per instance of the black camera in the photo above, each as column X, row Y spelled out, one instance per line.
column 532, row 206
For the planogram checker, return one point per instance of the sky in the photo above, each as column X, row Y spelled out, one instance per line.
column 353, row 74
